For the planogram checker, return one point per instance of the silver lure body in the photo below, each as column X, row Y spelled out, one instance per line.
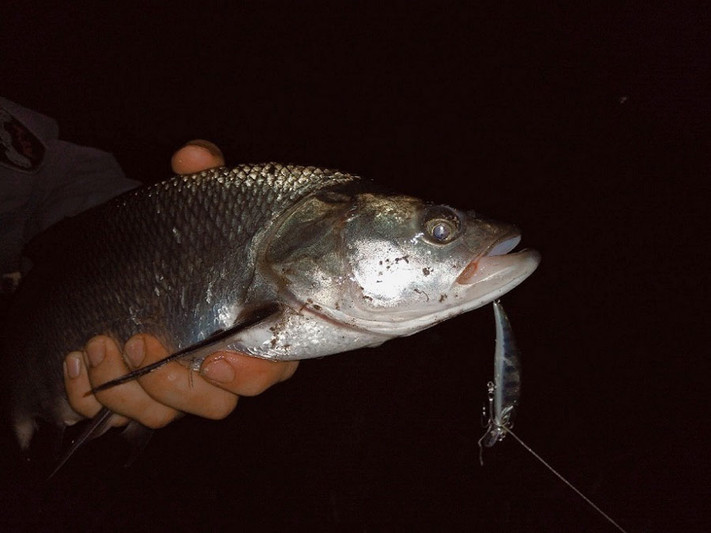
column 504, row 392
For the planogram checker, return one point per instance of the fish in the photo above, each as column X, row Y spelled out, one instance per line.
column 195, row 260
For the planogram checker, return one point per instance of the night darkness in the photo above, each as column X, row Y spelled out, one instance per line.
column 587, row 127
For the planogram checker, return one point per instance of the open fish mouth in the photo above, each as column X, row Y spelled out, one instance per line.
column 497, row 261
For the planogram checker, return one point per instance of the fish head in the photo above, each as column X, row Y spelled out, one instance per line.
column 393, row 265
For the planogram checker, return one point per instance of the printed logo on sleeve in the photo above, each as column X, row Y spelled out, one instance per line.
column 20, row 149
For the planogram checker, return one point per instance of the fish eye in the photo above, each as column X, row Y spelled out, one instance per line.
column 441, row 225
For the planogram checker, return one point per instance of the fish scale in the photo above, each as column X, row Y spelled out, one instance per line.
column 134, row 234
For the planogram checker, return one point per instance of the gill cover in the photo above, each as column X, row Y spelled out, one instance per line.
column 304, row 253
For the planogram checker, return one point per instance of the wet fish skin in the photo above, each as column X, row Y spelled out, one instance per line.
column 194, row 254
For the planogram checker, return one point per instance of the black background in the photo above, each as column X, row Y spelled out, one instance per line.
column 588, row 127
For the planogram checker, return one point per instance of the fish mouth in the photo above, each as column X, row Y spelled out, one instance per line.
column 495, row 272
column 497, row 261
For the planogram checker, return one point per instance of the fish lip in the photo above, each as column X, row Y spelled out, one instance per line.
column 501, row 246
column 504, row 245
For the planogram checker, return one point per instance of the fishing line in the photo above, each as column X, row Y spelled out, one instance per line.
column 560, row 476
column 503, row 396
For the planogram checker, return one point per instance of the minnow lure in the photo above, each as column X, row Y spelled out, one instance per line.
column 503, row 397
column 504, row 392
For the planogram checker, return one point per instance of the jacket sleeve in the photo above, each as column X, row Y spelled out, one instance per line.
column 67, row 180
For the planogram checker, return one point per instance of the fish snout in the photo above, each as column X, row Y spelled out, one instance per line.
column 493, row 259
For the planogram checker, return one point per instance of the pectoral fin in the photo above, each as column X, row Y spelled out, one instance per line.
column 198, row 351
column 94, row 428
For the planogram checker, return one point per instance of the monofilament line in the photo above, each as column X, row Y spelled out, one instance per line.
column 559, row 476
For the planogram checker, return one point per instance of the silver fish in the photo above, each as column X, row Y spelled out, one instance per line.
column 340, row 266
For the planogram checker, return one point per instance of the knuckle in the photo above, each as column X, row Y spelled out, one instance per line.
column 168, row 377
column 289, row 370
column 257, row 385
column 87, row 409
column 156, row 418
column 222, row 409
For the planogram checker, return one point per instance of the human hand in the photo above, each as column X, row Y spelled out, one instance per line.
column 161, row 396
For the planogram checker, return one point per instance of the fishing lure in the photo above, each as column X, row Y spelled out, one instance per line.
column 503, row 396
column 504, row 392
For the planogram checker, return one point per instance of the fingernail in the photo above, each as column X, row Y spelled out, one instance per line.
column 207, row 145
column 135, row 351
column 95, row 351
column 72, row 365
column 220, row 371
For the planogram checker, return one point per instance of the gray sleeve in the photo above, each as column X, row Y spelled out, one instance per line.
column 73, row 179
column 41, row 125
column 68, row 180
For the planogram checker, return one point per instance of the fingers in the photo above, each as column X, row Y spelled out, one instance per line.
column 160, row 396
column 177, row 386
column 76, row 382
column 244, row 375
column 104, row 363
column 195, row 156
